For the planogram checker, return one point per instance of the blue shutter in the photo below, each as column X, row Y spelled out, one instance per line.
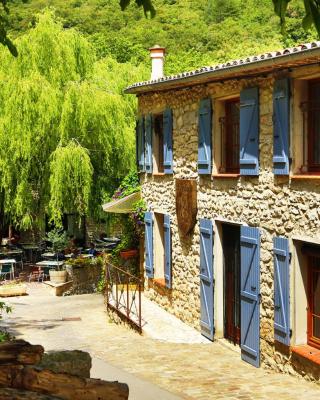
column 167, row 141
column 140, row 143
column 250, row 295
column 281, row 290
column 249, row 131
column 204, row 139
column 148, row 220
column 206, row 278
column 148, row 144
column 167, row 251
column 281, row 126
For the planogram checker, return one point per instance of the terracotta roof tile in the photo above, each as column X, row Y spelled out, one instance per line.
column 233, row 64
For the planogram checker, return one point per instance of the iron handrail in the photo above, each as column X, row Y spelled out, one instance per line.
column 123, row 294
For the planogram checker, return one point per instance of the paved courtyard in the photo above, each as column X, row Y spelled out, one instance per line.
column 157, row 369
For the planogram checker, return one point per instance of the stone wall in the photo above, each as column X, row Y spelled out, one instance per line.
column 279, row 206
column 84, row 278
column 23, row 375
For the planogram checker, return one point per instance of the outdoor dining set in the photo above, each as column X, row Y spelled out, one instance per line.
column 35, row 261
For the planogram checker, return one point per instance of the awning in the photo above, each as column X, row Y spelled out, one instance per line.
column 123, row 205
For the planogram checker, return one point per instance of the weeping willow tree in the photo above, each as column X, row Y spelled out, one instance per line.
column 66, row 132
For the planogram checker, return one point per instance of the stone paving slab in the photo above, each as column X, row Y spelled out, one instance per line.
column 161, row 325
column 188, row 370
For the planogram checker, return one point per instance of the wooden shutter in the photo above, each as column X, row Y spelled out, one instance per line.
column 148, row 144
column 148, row 220
column 167, row 141
column 249, row 131
column 204, row 137
column 140, row 144
column 250, row 295
column 167, row 251
column 206, row 278
column 281, row 290
column 281, row 126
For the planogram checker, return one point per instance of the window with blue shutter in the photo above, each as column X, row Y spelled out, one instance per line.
column 250, row 295
column 204, row 137
column 140, row 144
column 206, row 278
column 167, row 251
column 148, row 143
column 281, row 126
column 167, row 141
column 281, row 290
column 249, row 131
column 148, row 243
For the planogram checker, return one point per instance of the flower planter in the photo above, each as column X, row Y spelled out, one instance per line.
column 58, row 276
column 13, row 290
column 126, row 254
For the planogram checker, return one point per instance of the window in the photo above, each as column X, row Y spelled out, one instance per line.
column 307, row 143
column 229, row 137
column 313, row 122
column 314, row 302
column 158, row 166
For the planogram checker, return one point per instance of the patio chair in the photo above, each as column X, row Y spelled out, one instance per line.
column 36, row 275
column 5, row 270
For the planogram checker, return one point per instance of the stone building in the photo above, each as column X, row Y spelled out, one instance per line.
column 229, row 160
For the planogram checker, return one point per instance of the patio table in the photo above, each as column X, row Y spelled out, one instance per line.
column 12, row 263
column 48, row 255
column 50, row 264
column 11, row 253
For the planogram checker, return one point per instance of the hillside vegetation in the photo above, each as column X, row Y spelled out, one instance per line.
column 66, row 129
column 195, row 33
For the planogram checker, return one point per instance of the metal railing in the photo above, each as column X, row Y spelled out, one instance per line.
column 123, row 294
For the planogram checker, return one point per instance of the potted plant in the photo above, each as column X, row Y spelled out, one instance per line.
column 129, row 253
column 58, row 239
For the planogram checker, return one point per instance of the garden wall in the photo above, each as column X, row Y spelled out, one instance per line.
column 85, row 277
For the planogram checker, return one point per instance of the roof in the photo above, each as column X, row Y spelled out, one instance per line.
column 290, row 57
column 123, row 205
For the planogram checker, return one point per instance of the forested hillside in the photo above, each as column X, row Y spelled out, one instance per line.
column 195, row 32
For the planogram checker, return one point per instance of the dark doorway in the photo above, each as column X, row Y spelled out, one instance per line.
column 231, row 261
column 313, row 302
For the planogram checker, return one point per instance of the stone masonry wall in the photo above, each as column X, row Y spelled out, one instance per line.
column 84, row 278
column 277, row 205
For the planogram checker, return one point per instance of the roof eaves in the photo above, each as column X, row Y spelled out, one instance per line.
column 220, row 70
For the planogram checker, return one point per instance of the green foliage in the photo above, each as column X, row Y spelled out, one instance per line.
column 129, row 239
column 66, row 88
column 146, row 4
column 58, row 239
column 194, row 33
column 85, row 262
column 4, row 309
column 64, row 124
column 130, row 184
column 219, row 10
column 70, row 180
column 102, row 281
column 137, row 216
column 311, row 16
